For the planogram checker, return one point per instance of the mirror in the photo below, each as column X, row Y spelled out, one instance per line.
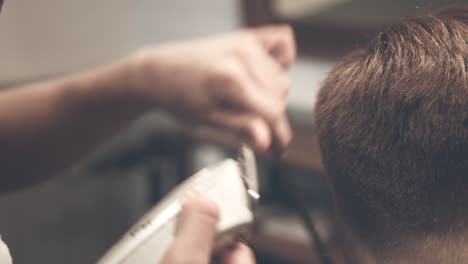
column 331, row 28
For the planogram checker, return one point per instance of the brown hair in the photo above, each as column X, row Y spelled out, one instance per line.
column 393, row 126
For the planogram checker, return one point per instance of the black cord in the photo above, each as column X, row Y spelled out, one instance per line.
column 300, row 206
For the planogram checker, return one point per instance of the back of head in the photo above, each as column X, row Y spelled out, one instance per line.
column 393, row 125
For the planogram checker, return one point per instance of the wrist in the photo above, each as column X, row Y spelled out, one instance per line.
column 127, row 86
column 153, row 78
column 127, row 81
column 111, row 87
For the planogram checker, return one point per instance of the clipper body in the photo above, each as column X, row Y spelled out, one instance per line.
column 231, row 184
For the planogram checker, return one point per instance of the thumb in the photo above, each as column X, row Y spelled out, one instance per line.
column 279, row 41
column 196, row 229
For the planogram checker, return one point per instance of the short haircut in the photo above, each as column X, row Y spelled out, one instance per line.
column 392, row 120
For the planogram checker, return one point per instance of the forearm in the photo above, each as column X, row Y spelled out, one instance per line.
column 229, row 81
column 45, row 127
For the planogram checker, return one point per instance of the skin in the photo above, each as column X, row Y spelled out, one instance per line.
column 197, row 222
column 236, row 81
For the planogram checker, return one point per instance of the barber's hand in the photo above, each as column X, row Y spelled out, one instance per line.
column 236, row 81
column 194, row 237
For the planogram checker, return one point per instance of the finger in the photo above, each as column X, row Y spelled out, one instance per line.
column 265, row 71
column 282, row 134
column 240, row 254
column 279, row 41
column 261, row 101
column 240, row 91
column 250, row 127
column 273, row 112
column 195, row 232
column 275, row 85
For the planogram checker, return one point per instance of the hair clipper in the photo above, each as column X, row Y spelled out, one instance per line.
column 232, row 184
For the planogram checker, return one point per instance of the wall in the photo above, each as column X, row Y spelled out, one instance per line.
column 46, row 37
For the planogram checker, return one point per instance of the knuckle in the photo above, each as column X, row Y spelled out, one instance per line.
column 289, row 41
column 248, row 35
column 247, row 44
column 250, row 39
column 287, row 29
column 227, row 73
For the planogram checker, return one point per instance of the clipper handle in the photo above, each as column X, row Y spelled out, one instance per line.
column 149, row 239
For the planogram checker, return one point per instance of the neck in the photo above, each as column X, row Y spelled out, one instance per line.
column 422, row 250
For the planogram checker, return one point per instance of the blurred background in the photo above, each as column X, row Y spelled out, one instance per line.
column 78, row 215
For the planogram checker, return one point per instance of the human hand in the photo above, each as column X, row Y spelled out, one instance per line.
column 237, row 81
column 195, row 233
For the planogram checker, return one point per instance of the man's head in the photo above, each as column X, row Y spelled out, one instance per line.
column 393, row 125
